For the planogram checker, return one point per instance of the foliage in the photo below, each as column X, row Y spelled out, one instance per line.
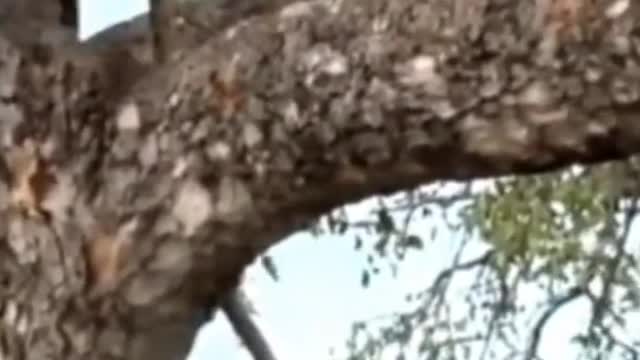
column 565, row 234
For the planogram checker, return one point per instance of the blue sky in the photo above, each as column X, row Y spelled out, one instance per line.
column 318, row 297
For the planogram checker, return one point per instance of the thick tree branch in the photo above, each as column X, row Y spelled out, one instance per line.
column 125, row 206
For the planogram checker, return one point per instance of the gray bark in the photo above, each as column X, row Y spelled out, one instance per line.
column 130, row 193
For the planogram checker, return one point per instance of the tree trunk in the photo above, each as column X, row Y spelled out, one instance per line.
column 129, row 195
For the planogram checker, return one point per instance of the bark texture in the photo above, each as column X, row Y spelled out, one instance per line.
column 130, row 194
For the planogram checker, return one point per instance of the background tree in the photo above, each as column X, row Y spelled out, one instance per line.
column 563, row 236
column 131, row 194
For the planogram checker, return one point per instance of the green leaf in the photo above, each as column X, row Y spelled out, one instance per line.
column 413, row 241
column 358, row 243
column 365, row 279
column 385, row 222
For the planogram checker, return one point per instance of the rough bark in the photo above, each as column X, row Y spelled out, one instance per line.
column 129, row 197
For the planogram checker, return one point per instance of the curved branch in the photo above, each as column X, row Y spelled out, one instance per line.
column 601, row 303
column 272, row 123
column 571, row 295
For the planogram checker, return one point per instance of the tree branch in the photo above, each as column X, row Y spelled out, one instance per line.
column 113, row 192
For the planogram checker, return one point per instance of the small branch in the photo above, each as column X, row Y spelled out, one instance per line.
column 457, row 267
column 497, row 312
column 571, row 295
column 628, row 349
column 601, row 304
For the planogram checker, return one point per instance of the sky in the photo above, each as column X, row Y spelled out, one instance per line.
column 318, row 297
